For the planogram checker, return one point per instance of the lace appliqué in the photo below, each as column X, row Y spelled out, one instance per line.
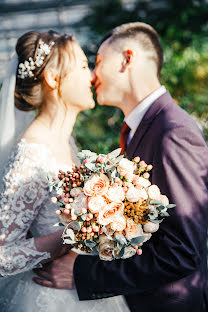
column 25, row 190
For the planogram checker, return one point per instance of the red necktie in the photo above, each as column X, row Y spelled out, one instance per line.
column 124, row 136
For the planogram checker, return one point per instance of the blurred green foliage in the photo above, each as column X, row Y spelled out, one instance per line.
column 182, row 25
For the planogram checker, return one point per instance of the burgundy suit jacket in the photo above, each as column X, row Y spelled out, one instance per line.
column 171, row 274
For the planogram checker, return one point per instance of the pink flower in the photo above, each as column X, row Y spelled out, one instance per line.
column 149, row 167
column 58, row 212
column 89, row 229
column 101, row 159
column 74, row 218
column 66, row 211
column 96, row 185
column 146, row 175
column 139, row 252
column 66, row 200
column 143, row 164
column 53, row 200
column 67, row 206
column 137, row 159
column 84, row 230
column 95, row 228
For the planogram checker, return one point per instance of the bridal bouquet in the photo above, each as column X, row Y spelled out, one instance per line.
column 109, row 204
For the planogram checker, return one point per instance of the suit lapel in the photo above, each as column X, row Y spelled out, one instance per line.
column 146, row 122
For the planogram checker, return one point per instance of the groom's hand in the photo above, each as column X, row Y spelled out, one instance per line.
column 58, row 273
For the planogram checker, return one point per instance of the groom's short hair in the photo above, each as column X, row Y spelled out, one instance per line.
column 142, row 33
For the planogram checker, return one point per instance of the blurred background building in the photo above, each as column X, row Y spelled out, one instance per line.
column 182, row 25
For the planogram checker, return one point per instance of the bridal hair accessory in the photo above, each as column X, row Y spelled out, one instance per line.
column 25, row 69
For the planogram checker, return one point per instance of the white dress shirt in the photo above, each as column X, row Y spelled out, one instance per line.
column 135, row 117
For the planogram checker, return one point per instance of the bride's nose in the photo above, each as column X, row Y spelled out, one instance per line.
column 93, row 77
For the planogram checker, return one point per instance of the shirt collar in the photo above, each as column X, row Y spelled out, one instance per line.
column 135, row 117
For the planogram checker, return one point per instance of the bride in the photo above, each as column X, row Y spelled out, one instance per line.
column 49, row 74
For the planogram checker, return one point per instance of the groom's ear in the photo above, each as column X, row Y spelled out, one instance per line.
column 51, row 78
column 128, row 57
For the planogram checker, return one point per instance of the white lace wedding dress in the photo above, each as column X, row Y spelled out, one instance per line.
column 25, row 205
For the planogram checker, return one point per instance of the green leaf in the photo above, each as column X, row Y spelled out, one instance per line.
column 155, row 202
column 59, row 224
column 121, row 253
column 114, row 153
column 164, row 214
column 137, row 240
column 170, row 206
column 157, row 221
column 160, row 208
column 121, row 239
column 118, row 159
column 90, row 244
column 90, row 166
column 76, row 225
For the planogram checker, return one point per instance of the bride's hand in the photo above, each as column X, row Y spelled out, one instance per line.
column 58, row 273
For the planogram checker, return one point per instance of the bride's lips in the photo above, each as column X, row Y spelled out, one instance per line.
column 97, row 84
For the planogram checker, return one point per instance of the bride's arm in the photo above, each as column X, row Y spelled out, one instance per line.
column 25, row 190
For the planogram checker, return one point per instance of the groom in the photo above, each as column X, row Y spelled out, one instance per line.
column 171, row 274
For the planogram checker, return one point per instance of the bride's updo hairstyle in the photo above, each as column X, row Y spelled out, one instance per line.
column 29, row 90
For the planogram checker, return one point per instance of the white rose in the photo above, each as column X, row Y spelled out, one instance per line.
column 134, row 195
column 143, row 182
column 96, row 203
column 105, row 248
column 126, row 165
column 151, row 227
column 154, row 192
column 79, row 203
column 129, row 252
column 118, row 224
column 164, row 200
column 76, row 191
column 132, row 229
column 116, row 194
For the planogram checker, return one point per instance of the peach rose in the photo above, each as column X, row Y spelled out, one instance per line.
column 96, row 203
column 110, row 212
column 116, row 194
column 96, row 185
column 106, row 247
column 118, row 224
column 132, row 229
column 154, row 192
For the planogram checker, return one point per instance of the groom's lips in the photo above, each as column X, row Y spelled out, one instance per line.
column 97, row 84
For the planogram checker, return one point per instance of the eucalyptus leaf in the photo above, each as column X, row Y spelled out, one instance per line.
column 114, row 153
column 121, row 239
column 121, row 253
column 157, row 221
column 160, row 208
column 59, row 224
column 90, row 244
column 170, row 206
column 164, row 214
column 90, row 166
column 118, row 159
column 68, row 241
column 137, row 240
column 69, row 233
column 76, row 225
column 155, row 202
column 84, row 216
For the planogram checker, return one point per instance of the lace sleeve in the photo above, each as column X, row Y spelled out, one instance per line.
column 25, row 189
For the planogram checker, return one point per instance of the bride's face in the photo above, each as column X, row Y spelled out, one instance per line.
column 76, row 84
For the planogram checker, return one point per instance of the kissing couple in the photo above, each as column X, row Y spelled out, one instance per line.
column 49, row 74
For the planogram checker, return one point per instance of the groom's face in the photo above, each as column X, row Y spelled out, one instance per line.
column 110, row 81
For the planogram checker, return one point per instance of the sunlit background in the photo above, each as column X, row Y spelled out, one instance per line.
column 182, row 25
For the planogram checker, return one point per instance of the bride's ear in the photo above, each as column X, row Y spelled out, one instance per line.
column 51, row 78
column 128, row 57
